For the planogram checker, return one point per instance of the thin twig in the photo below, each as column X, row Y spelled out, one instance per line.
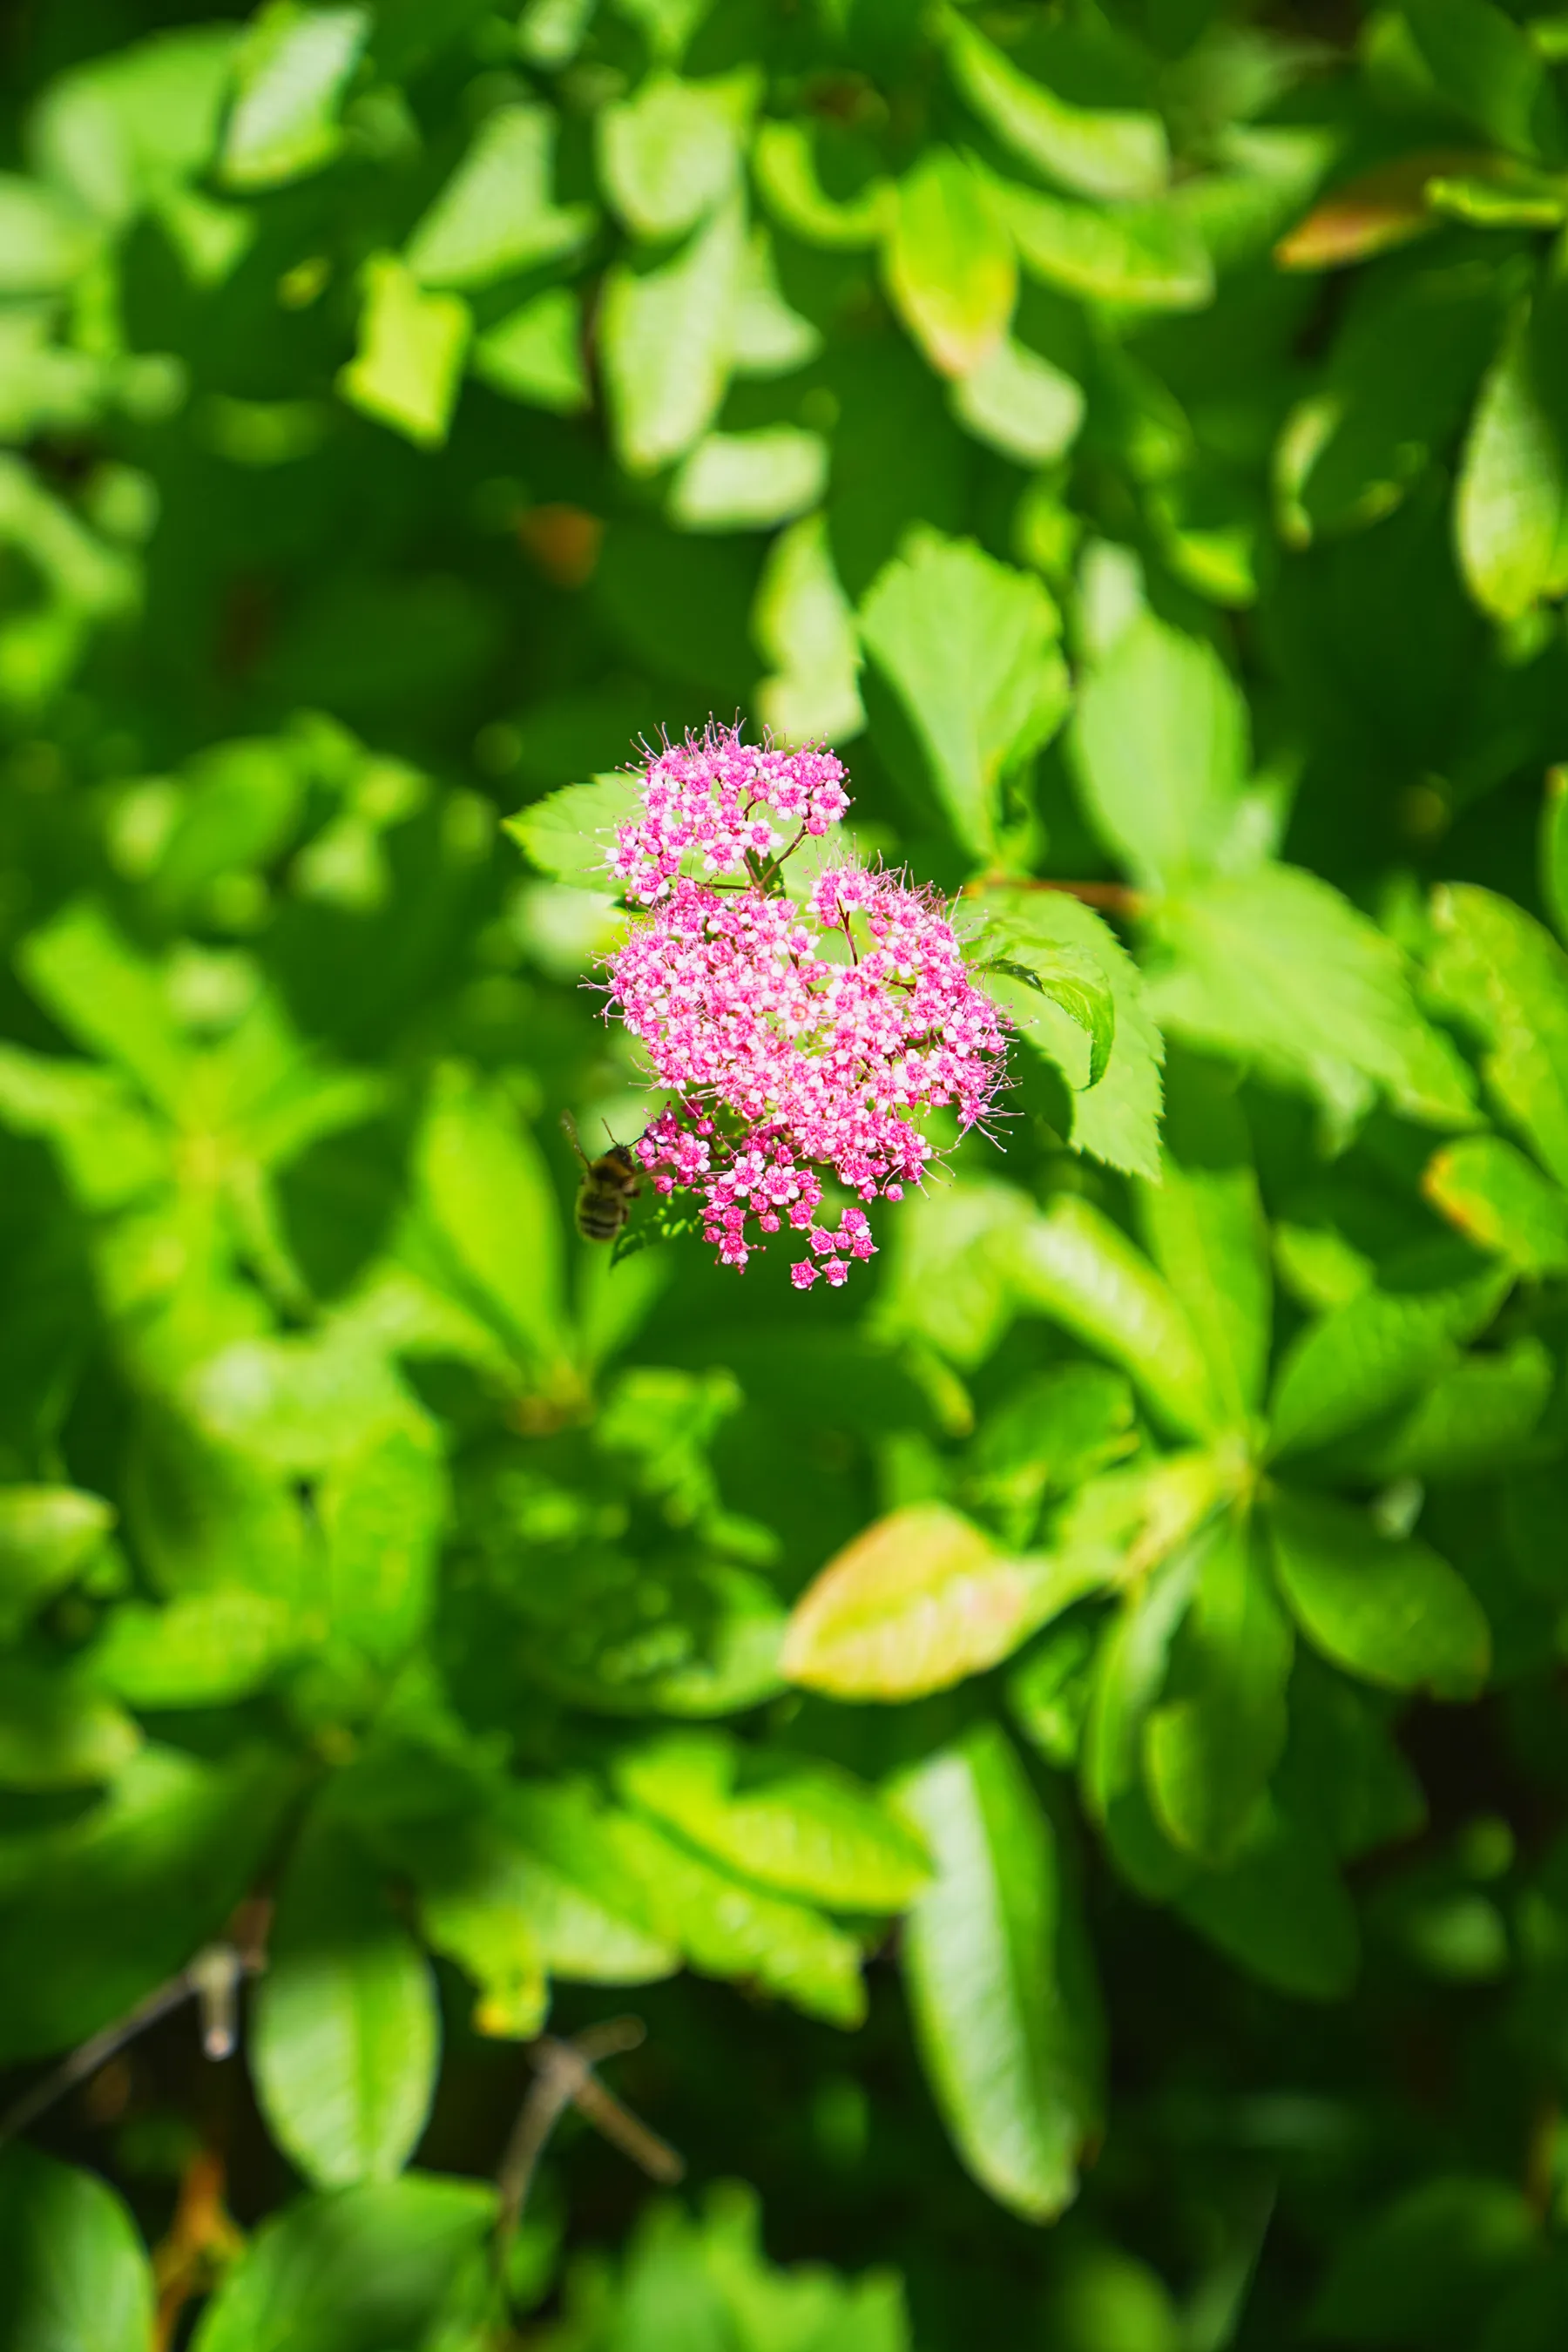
column 565, row 2077
column 213, row 1977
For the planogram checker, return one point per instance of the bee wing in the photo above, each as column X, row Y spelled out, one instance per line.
column 569, row 1129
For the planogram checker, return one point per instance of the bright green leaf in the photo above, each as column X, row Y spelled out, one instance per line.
column 1493, row 1195
column 666, row 337
column 1096, row 151
column 1160, row 747
column 1370, row 1354
column 1141, row 257
column 1500, row 973
column 294, row 65
column 409, row 366
column 1512, row 491
column 949, row 262
column 496, row 214
column 1020, row 404
column 74, row 2274
column 48, row 1536
column 1204, row 1227
column 743, row 481
column 534, row 354
column 670, row 153
column 1392, row 1612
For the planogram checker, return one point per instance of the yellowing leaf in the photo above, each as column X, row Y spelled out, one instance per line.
column 916, row 1603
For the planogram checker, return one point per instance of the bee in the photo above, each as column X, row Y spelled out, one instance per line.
column 609, row 1187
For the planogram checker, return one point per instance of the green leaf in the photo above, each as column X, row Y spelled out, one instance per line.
column 48, row 1536
column 1429, row 2268
column 1075, row 1266
column 804, row 627
column 730, row 1929
column 1212, row 1743
column 1553, row 847
column 1490, row 1193
column 1512, row 491
column 744, row 481
column 950, row 1281
column 408, row 366
column 1479, row 1417
column 918, row 1601
column 383, row 1512
column 1281, row 1910
column 1370, row 1354
column 1117, row 1119
column 496, row 214
column 770, row 338
column 570, row 833
column 97, row 1909
column 205, row 1649
column 1275, row 965
column 474, row 1908
column 44, row 241
column 534, row 354
column 205, row 1514
column 1204, row 1227
column 1501, row 975
column 667, row 340
column 786, row 1821
column 109, row 998
column 359, row 2271
column 346, row 2034
column 949, row 262
column 969, row 646
column 1010, row 965
column 579, row 1875
column 1020, row 404
column 74, row 2274
column 489, row 1194
column 1130, row 1674
column 999, row 1978
column 1160, row 747
column 1094, row 150
column 1392, row 1612
column 1139, row 257
column 118, row 132
column 1483, row 65
column 670, row 153
column 294, row 65
column 786, row 175
column 56, row 1732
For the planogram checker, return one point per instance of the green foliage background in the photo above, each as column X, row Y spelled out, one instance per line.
column 1136, row 437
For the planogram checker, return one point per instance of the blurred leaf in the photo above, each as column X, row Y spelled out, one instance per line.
column 108, row 997
column 1490, row 1193
column 672, row 152
column 1020, row 404
column 949, row 260
column 1145, row 255
column 1213, row 1742
column 1075, row 1266
column 1204, row 1230
column 74, row 2275
column 44, row 242
column 1006, row 2011
column 56, row 1732
column 666, row 335
column 534, row 354
column 496, row 214
column 918, row 1601
column 1477, row 1417
column 1428, row 2266
column 1497, row 971
column 1129, row 1673
column 1277, row 964
column 409, row 364
column 578, row 1868
column 1484, row 68
column 1097, row 152
column 1372, row 213
column 294, row 65
column 785, row 1821
column 346, row 2035
column 786, row 175
column 119, row 130
column 48, row 1536
column 1392, row 1613
column 742, row 481
column 205, row 1649
column 970, row 648
column 383, row 1511
column 804, row 627
column 1512, row 491
column 359, row 2270
column 1370, row 1353
column 1282, row 1911
column 489, row 1194
column 1159, row 748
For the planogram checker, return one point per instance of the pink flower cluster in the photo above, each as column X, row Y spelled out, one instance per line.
column 796, row 1042
column 729, row 805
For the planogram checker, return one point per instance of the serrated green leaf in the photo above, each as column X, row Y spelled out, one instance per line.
column 1392, row 1612
column 969, row 646
column 570, row 833
column 1000, row 1983
column 1068, row 978
column 1117, row 1120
